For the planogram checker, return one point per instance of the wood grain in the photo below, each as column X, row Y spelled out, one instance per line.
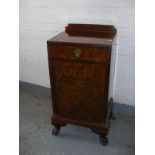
column 66, row 52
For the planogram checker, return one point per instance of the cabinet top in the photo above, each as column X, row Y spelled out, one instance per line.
column 100, row 35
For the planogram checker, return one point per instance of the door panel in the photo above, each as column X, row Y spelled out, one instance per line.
column 80, row 90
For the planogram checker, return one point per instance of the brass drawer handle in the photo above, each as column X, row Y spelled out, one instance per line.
column 77, row 52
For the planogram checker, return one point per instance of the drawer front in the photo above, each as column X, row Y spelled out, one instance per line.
column 81, row 53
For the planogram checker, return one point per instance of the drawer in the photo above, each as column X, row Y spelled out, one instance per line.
column 80, row 53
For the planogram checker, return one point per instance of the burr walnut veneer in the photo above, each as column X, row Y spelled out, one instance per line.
column 79, row 67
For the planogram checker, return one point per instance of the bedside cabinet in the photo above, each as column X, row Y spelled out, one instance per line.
column 79, row 66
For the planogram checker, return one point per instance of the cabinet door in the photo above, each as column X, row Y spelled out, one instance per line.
column 80, row 90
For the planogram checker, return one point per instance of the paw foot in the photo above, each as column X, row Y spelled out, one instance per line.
column 103, row 140
column 55, row 131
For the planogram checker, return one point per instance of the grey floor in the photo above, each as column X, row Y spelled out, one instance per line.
column 36, row 137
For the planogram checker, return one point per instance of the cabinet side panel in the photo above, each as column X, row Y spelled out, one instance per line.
column 50, row 65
